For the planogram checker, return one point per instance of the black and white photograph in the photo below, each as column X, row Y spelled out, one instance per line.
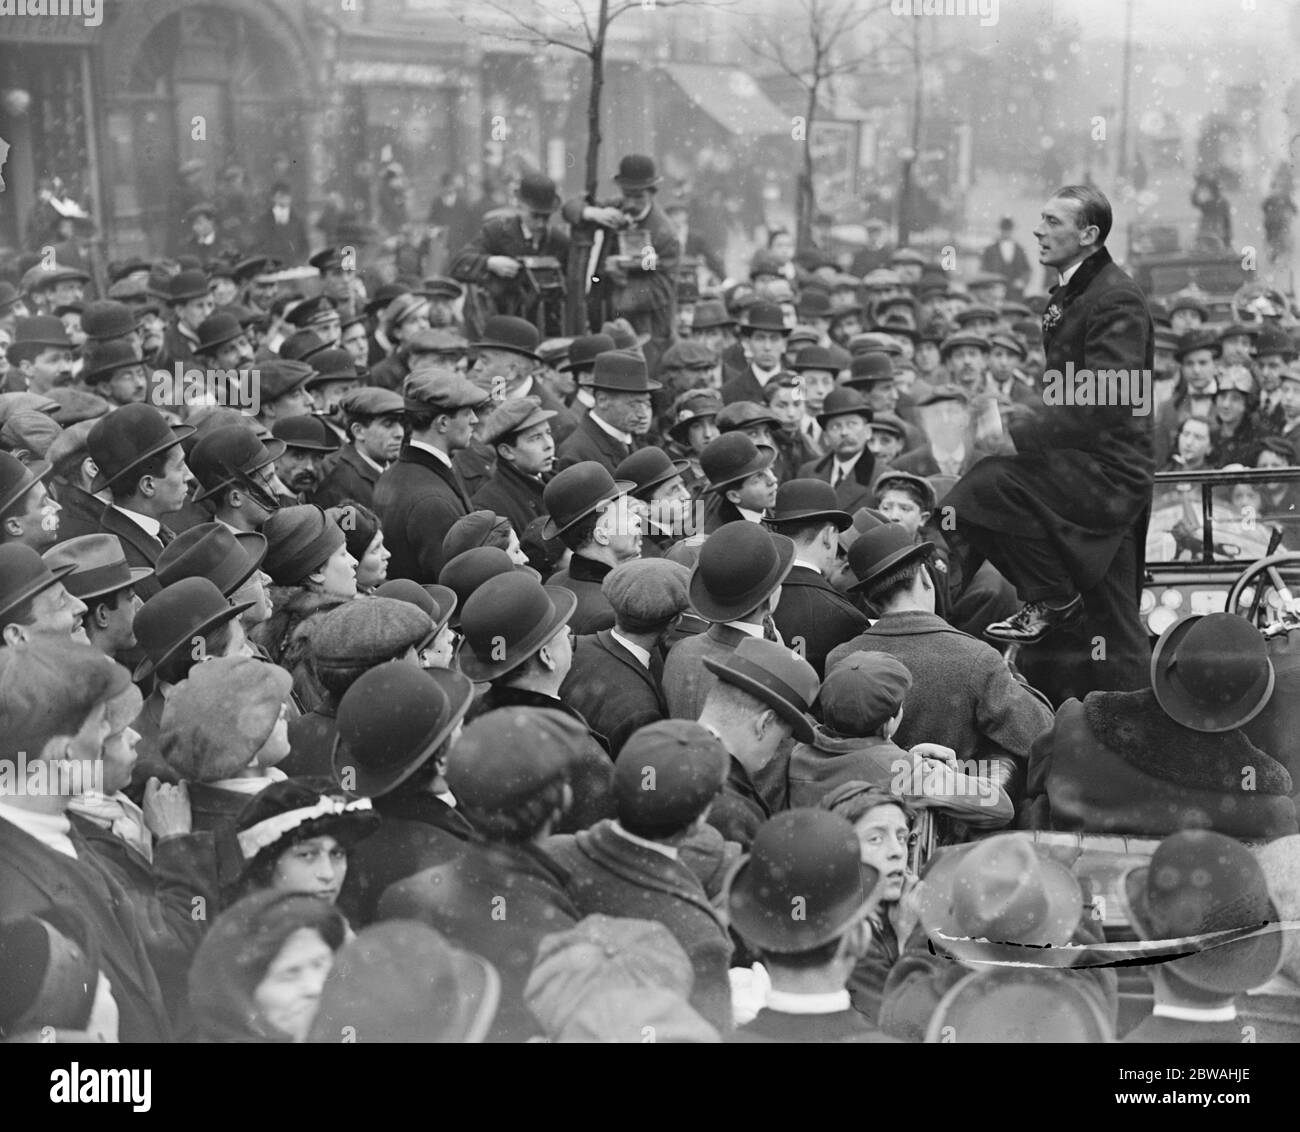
column 745, row 522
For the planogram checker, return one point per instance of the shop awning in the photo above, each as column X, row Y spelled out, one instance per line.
column 730, row 97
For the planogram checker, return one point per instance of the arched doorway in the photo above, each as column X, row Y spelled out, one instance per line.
column 216, row 84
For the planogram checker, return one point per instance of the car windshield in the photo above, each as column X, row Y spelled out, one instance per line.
column 1244, row 511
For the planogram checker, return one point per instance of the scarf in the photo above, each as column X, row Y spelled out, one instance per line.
column 120, row 816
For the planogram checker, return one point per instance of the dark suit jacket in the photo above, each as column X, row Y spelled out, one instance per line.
column 140, row 548
column 852, row 493
column 653, row 290
column 744, row 386
column 311, row 742
column 590, row 442
column 1017, row 271
column 613, row 690
column 512, row 495
column 84, row 894
column 686, row 681
column 215, row 811
column 504, row 235
column 285, row 242
column 584, row 577
column 351, row 478
column 418, row 500
column 740, row 809
column 813, row 617
column 79, row 512
column 416, row 831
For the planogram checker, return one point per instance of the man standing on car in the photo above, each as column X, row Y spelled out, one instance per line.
column 1064, row 519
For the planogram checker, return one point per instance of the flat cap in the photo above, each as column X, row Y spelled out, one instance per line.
column 478, row 528
column 367, row 631
column 666, row 773
column 29, row 431
column 70, row 444
column 647, row 590
column 513, row 415
column 505, row 758
column 370, row 401
column 862, row 692
column 442, row 389
column 76, row 405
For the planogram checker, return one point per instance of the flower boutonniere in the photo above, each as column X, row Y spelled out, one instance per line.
column 1051, row 316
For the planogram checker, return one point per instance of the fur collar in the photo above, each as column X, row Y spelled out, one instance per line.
column 1133, row 725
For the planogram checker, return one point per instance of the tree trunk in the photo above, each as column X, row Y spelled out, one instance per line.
column 806, row 194
column 582, row 236
column 918, row 102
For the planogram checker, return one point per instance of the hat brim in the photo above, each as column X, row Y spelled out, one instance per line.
column 35, row 473
column 1183, row 708
column 637, row 182
column 447, row 601
column 137, row 574
column 255, row 545
column 313, row 446
column 563, row 601
column 550, row 529
column 509, row 347
column 777, row 931
column 179, row 433
column 842, row 519
column 648, row 387
column 766, row 458
column 678, row 468
column 1253, row 961
column 800, row 722
column 861, row 411
column 149, row 665
column 713, row 325
column 35, row 586
column 704, row 604
column 678, row 429
column 459, row 693
column 274, row 450
column 217, row 343
column 920, row 552
column 935, row 895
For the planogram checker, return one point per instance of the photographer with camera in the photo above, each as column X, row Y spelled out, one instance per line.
column 517, row 261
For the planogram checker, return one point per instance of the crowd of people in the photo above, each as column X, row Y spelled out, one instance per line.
column 378, row 665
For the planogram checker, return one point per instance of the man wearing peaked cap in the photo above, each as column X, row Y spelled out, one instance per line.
column 372, row 418
column 741, row 483
column 813, row 617
column 420, row 495
column 519, row 433
column 665, row 780
column 592, row 514
column 494, row 259
column 735, row 586
column 236, row 477
column 621, row 412
column 615, row 679
column 101, row 578
column 810, row 857
column 763, row 334
column 29, row 514
column 142, row 467
column 308, row 441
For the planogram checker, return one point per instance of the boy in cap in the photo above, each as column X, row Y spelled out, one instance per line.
column 518, row 431
column 809, row 860
column 665, row 780
column 614, row 680
column 373, row 420
column 54, row 699
column 509, row 772
column 420, row 496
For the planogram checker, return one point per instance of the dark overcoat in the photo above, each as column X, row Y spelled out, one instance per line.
column 613, row 690
column 418, row 499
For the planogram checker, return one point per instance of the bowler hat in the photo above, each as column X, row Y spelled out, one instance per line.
column 332, row 364
column 918, row 483
column 842, row 402
column 1271, row 340
column 578, row 491
column 466, row 572
column 392, row 720
column 807, row 501
column 636, row 171
column 710, row 314
column 693, row 405
column 98, row 563
column 216, row 330
column 647, row 468
column 802, row 885
column 1212, row 672
column 308, row 433
column 173, row 618
column 1199, row 882
column 740, row 564
column 17, row 479
column 438, row 602
column 871, row 368
column 813, row 304
column 301, row 346
column 1020, row 1005
column 508, row 619
column 537, row 191
column 227, row 454
column 440, row 390
column 103, row 360
column 24, row 574
column 187, row 285
column 732, row 458
column 746, row 414
column 505, row 332
column 666, row 774
column 873, row 342
column 621, row 371
column 299, row 541
column 36, row 333
column 763, row 316
column 105, row 319
column 212, row 550
column 127, row 438
column 513, row 416
column 815, row 357
column 1198, row 338
column 584, row 351
column 774, row 676
column 883, row 550
column 1002, row 890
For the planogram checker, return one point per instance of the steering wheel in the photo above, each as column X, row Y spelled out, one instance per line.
column 1275, row 602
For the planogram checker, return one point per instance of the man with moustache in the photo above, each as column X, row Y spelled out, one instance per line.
column 620, row 386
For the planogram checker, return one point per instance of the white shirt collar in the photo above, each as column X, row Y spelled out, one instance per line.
column 763, row 376
column 747, row 627
column 806, row 564
column 617, row 433
column 829, row 1002
column 1068, row 273
column 368, row 460
column 586, row 397
column 250, row 785
column 151, row 525
column 1195, row 1013
column 430, row 448
column 525, row 387
column 752, row 516
column 668, row 851
column 846, row 466
column 643, row 655
column 51, row 830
